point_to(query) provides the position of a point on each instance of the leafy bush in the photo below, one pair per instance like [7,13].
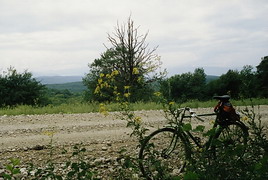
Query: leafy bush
[20,89]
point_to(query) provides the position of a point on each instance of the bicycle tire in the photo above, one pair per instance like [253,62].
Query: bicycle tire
[161,156]
[231,139]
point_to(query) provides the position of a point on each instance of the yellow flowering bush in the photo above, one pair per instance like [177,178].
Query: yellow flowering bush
[106,81]
[135,71]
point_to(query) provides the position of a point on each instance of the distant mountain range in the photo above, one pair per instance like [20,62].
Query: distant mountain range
[74,83]
[70,79]
[211,78]
[58,79]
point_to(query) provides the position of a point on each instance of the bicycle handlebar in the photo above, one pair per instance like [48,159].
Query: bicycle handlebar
[193,114]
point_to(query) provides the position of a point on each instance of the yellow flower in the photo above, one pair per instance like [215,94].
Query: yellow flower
[105,84]
[114,73]
[244,118]
[157,94]
[49,133]
[135,71]
[126,87]
[137,120]
[211,122]
[99,81]
[97,90]
[127,95]
[171,103]
[108,76]
[139,79]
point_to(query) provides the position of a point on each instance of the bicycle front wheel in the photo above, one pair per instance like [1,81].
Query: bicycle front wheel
[231,140]
[162,154]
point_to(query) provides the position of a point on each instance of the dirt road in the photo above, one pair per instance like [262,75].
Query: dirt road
[28,131]
[28,136]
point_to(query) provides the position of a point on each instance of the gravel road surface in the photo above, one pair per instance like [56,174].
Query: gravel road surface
[27,137]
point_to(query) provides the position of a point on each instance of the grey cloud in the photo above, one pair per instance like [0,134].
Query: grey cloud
[189,33]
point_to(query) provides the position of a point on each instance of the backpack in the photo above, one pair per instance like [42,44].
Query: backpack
[227,111]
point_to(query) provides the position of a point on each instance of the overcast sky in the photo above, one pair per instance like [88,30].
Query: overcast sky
[60,37]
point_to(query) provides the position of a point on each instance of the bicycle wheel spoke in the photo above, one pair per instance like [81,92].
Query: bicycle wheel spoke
[232,140]
[162,155]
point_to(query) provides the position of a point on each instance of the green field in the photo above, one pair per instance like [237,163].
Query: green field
[94,107]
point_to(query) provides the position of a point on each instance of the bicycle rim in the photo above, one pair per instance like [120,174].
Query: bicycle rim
[162,155]
[231,140]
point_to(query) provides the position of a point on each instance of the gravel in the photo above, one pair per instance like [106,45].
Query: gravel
[29,137]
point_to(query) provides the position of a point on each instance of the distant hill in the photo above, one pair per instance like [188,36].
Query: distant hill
[211,78]
[74,87]
[58,79]
[75,84]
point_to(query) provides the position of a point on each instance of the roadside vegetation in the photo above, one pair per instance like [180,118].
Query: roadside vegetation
[72,108]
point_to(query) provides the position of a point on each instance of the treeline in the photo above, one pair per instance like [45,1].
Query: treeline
[246,83]
[22,89]
[250,82]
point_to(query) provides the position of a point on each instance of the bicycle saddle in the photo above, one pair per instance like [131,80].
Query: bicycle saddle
[222,98]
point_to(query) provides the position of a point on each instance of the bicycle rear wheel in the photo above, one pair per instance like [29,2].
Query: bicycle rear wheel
[162,154]
[231,140]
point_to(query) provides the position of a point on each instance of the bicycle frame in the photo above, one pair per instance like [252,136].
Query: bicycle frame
[179,135]
[187,135]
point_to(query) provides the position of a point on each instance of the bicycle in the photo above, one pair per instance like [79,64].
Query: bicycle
[169,149]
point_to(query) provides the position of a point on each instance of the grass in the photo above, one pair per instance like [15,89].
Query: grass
[212,103]
[94,107]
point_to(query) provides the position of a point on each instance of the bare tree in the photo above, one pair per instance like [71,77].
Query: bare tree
[128,54]
[133,51]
